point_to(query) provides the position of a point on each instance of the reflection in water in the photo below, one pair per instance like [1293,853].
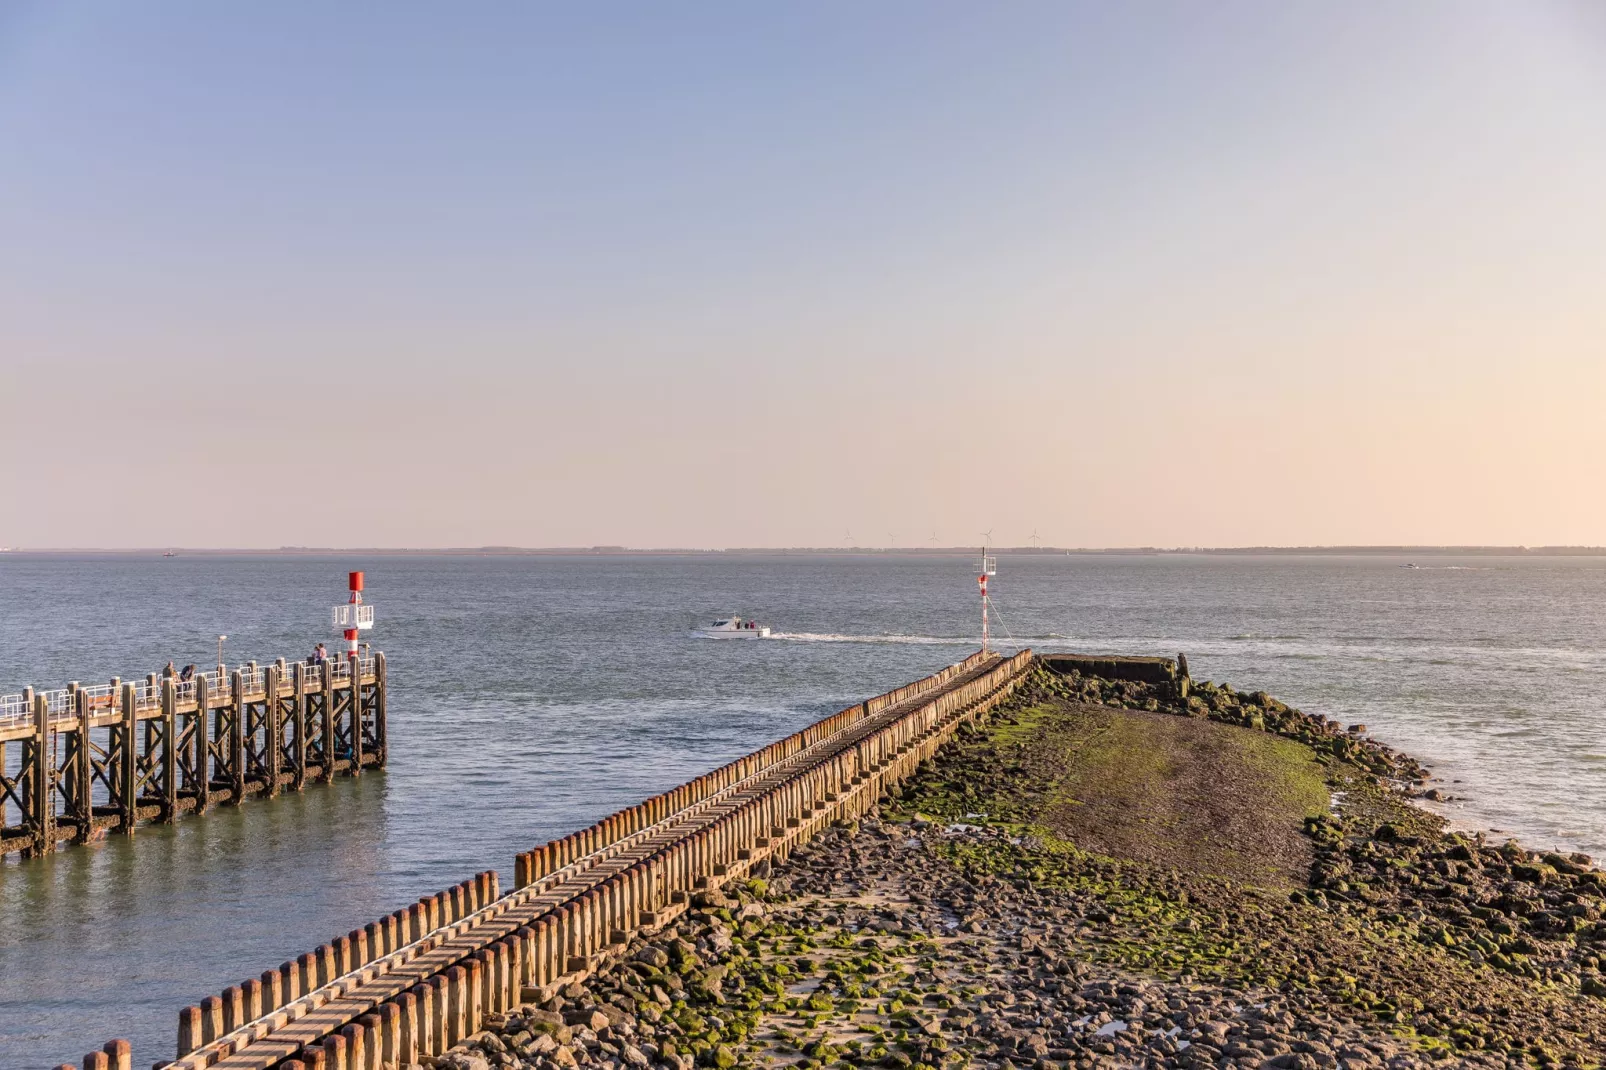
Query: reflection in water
[115,936]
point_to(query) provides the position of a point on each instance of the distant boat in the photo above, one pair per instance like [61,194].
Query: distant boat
[734,628]
[1410,564]
[170,553]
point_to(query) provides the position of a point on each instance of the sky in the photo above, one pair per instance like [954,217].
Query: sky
[731,274]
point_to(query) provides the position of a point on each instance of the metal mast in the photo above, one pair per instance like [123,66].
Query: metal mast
[989,567]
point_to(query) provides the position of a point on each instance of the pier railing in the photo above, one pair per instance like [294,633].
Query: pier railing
[81,761]
[17,709]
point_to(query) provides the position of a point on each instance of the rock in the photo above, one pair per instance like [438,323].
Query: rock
[656,957]
[589,1018]
[462,1060]
[548,1023]
[719,1056]
[633,1056]
[1540,873]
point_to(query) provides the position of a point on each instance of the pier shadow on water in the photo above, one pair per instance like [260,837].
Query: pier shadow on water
[117,932]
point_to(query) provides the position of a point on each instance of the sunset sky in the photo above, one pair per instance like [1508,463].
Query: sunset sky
[735,274]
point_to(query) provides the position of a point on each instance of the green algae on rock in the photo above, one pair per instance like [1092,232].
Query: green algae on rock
[1103,875]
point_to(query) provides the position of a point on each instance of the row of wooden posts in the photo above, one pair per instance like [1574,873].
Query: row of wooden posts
[566,942]
[89,761]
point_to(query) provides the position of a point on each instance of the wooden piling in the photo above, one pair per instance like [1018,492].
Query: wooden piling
[326,674]
[128,767]
[354,709]
[381,690]
[40,797]
[298,753]
[119,1055]
[190,1035]
[169,751]
[275,735]
[236,738]
[201,753]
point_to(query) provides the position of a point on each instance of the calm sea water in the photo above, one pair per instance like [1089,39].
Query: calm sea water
[532,695]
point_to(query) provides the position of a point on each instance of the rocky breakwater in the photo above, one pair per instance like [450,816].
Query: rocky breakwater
[1110,874]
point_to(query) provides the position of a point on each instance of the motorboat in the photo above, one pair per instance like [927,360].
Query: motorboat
[734,628]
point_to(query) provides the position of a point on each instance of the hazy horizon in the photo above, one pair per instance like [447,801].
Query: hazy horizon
[817,275]
[955,550]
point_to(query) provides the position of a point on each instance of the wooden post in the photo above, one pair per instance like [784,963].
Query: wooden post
[334,1050]
[84,772]
[237,740]
[199,752]
[128,782]
[169,750]
[326,671]
[381,730]
[211,1019]
[41,798]
[298,755]
[270,693]
[355,710]
[189,1030]
[406,1052]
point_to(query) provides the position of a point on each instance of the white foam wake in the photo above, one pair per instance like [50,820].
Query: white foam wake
[831,637]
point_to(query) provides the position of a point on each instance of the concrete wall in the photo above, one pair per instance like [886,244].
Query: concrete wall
[1114,667]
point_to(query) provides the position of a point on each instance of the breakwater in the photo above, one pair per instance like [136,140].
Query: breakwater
[420,980]
[82,762]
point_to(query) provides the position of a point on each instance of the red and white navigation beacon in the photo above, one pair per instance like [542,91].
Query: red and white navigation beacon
[989,567]
[354,616]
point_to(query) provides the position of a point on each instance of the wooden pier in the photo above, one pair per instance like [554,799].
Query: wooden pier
[81,762]
[418,981]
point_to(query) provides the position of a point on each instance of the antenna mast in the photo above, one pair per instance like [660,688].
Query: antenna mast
[989,567]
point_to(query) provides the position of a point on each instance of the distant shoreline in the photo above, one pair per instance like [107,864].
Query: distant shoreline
[821,551]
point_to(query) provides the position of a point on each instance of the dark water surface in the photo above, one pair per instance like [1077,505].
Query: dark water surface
[532,695]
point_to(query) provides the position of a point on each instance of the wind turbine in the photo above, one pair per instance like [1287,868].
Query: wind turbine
[933,535]
[894,537]
[849,537]
[1036,539]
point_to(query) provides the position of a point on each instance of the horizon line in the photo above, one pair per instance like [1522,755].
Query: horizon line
[611,550]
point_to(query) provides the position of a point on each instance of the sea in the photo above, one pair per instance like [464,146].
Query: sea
[532,694]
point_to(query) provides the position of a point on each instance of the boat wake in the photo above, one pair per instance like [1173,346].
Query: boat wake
[917,640]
